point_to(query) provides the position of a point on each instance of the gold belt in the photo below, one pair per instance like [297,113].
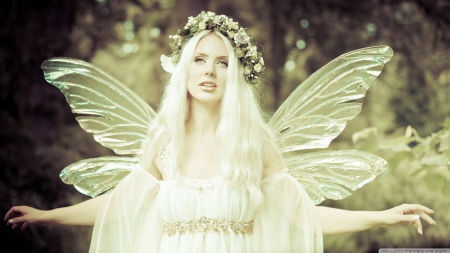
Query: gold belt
[205,224]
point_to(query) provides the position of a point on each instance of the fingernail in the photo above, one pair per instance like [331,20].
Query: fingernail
[10,221]
[415,217]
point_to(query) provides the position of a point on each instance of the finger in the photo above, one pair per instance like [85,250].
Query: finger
[11,213]
[427,218]
[14,226]
[17,220]
[415,208]
[415,221]
[411,218]
[418,226]
[24,226]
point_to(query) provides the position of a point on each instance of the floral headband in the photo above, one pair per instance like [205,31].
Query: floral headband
[245,51]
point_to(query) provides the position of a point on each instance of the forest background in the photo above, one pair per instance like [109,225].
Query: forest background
[403,118]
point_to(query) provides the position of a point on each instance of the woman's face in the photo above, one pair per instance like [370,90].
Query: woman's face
[208,70]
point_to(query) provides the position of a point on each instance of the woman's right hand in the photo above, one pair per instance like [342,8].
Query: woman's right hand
[21,216]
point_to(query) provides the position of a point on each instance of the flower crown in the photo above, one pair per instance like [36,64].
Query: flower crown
[245,51]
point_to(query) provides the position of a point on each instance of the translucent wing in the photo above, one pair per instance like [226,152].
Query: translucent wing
[97,175]
[317,112]
[328,174]
[116,116]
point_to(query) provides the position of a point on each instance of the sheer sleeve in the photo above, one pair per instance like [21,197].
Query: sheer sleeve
[288,221]
[130,213]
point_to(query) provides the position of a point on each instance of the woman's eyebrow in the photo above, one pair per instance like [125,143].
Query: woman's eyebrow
[218,57]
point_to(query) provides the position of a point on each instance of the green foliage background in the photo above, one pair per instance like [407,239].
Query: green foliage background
[39,135]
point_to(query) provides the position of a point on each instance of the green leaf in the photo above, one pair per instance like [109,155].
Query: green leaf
[446,153]
[432,140]
[435,160]
[445,141]
[447,123]
[173,47]
[446,188]
[395,160]
[398,144]
[434,182]
[419,150]
[370,147]
[364,134]
[418,171]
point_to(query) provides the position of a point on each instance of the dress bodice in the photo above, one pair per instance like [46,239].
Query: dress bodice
[179,214]
[181,198]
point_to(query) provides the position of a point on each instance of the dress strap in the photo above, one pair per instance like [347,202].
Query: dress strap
[165,159]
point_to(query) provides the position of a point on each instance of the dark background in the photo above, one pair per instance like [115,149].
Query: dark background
[39,135]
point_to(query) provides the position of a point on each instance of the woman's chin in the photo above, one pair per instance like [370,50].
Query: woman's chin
[206,98]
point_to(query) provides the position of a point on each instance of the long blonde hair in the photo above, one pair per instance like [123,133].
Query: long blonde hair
[241,131]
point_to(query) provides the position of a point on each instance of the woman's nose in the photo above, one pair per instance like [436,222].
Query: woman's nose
[210,69]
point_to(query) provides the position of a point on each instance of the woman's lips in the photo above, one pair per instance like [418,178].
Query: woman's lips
[206,86]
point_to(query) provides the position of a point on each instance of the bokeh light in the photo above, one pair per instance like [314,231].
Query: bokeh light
[155,32]
[301,44]
[304,23]
[289,66]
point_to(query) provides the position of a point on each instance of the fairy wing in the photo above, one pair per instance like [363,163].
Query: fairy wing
[112,112]
[317,112]
[328,174]
[95,176]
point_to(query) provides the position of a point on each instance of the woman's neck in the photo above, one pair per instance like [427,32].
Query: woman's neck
[203,119]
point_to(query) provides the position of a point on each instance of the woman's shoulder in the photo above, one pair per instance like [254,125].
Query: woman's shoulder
[153,162]
[272,159]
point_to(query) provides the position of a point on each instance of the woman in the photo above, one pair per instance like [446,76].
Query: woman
[211,178]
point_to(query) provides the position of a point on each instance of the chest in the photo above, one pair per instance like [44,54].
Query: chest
[199,159]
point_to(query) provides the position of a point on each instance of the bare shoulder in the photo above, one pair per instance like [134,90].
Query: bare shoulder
[152,163]
[272,160]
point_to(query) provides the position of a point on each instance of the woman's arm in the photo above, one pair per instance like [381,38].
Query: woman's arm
[83,213]
[336,221]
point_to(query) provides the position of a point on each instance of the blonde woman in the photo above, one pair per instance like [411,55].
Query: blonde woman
[211,178]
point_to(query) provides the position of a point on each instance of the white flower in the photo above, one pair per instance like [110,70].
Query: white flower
[230,34]
[257,67]
[193,22]
[202,26]
[247,70]
[218,20]
[261,61]
[241,38]
[167,64]
[211,14]
[232,26]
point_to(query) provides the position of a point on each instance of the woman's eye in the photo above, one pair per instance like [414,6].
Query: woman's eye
[224,63]
[199,59]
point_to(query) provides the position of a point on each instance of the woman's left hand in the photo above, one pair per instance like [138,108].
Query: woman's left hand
[406,213]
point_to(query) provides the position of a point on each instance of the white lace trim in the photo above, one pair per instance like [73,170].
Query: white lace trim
[167,167]
[199,184]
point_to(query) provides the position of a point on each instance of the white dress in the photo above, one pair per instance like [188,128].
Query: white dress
[179,214]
